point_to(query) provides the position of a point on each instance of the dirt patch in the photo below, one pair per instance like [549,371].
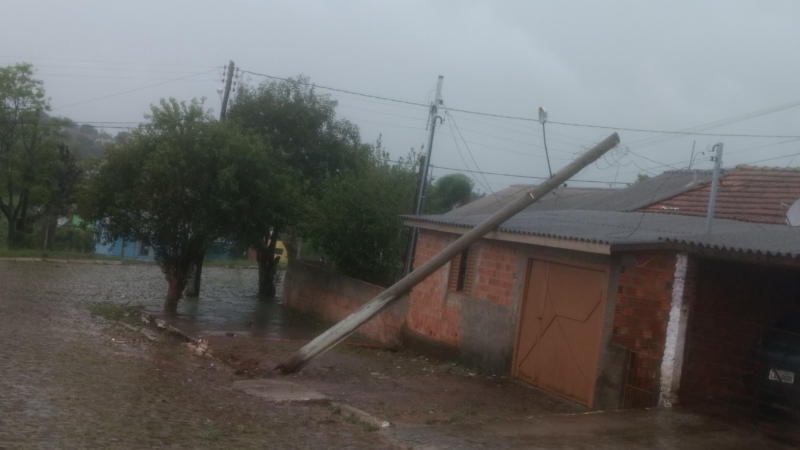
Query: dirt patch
[398,386]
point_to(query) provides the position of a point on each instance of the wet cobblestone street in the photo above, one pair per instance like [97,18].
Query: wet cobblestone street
[71,380]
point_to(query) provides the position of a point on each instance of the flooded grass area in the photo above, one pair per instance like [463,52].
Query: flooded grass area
[115,311]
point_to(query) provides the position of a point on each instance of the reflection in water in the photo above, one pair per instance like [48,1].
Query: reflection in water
[228,301]
[244,315]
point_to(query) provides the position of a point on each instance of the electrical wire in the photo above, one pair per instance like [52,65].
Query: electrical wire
[513,175]
[111,77]
[488,188]
[341,90]
[132,90]
[104,62]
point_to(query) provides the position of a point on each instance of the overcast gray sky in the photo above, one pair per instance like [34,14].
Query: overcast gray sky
[647,65]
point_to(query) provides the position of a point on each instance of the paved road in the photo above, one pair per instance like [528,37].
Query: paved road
[672,429]
[69,380]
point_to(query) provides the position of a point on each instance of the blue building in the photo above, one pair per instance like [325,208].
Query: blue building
[142,251]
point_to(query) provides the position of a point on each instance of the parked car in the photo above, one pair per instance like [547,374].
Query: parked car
[778,369]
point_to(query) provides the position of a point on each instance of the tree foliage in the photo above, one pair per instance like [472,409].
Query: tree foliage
[63,196]
[178,182]
[27,149]
[312,147]
[448,192]
[357,223]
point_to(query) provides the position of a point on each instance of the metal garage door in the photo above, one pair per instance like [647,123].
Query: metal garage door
[558,337]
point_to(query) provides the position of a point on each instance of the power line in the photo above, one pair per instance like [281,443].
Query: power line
[529,119]
[111,76]
[115,69]
[105,62]
[507,150]
[488,188]
[341,90]
[133,90]
[522,176]
[683,133]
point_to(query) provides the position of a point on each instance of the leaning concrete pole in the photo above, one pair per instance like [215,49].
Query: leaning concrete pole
[351,323]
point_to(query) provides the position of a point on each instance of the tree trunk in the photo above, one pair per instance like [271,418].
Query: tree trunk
[174,291]
[12,231]
[23,210]
[50,226]
[193,289]
[267,266]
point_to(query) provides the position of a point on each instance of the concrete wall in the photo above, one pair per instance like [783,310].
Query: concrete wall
[331,297]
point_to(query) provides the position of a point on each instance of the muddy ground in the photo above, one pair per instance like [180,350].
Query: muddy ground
[401,387]
[71,380]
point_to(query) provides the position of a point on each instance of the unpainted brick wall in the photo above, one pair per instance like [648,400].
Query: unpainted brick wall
[429,313]
[331,297]
[437,314]
[644,299]
[498,265]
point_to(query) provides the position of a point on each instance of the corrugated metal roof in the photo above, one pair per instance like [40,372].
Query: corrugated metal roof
[782,242]
[627,228]
[631,198]
[753,194]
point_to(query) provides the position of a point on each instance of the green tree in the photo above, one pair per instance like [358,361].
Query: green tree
[62,199]
[310,143]
[178,182]
[448,192]
[27,150]
[357,223]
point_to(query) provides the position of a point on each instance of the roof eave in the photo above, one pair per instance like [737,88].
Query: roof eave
[517,238]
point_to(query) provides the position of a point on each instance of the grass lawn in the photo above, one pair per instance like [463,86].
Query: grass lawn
[30,253]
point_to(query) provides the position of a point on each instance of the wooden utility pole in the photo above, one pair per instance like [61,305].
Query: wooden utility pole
[193,290]
[412,238]
[351,323]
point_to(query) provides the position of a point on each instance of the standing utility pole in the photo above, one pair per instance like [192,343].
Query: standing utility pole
[193,290]
[351,323]
[227,93]
[412,239]
[712,198]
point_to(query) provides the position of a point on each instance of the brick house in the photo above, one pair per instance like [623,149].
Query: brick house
[613,298]
[618,298]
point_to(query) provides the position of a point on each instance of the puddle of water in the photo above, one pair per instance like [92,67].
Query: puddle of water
[228,301]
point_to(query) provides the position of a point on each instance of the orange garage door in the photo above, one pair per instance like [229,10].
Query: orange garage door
[558,338]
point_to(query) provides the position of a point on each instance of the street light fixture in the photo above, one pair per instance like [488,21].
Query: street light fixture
[543,120]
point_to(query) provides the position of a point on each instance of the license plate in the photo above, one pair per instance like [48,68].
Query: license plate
[782,375]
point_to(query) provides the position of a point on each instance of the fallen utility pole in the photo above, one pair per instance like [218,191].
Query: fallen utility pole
[351,323]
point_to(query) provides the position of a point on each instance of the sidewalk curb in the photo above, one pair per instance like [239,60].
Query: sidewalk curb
[149,318]
[362,416]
